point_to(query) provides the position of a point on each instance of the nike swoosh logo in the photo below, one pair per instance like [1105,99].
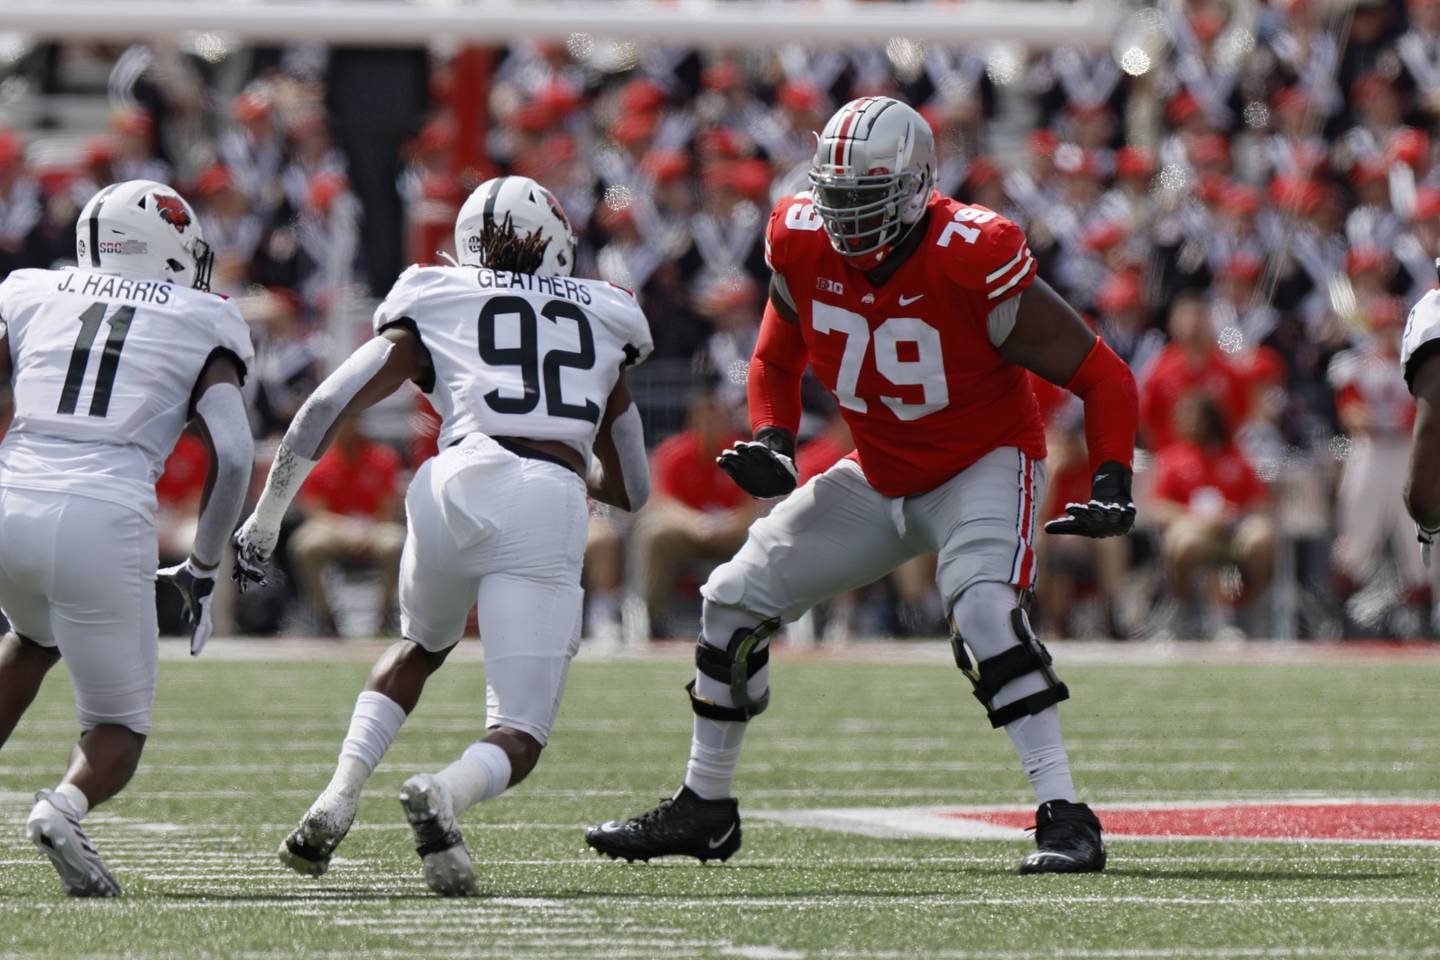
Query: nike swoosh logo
[715,844]
[906,301]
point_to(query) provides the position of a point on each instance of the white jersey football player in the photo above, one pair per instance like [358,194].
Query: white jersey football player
[1418,350]
[525,366]
[107,363]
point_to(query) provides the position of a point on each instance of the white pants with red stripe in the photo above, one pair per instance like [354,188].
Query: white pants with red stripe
[837,533]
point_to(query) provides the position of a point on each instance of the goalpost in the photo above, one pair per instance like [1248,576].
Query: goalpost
[1034,23]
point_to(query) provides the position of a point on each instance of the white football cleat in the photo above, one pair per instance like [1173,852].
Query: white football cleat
[311,844]
[55,830]
[431,814]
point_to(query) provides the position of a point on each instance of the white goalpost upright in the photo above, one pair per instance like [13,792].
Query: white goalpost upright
[1034,23]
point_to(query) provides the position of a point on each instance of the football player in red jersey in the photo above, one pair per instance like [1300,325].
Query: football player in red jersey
[922,315]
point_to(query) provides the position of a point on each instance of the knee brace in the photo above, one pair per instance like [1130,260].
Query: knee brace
[989,676]
[743,657]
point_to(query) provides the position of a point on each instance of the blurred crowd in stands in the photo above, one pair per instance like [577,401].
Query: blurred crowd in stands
[1244,201]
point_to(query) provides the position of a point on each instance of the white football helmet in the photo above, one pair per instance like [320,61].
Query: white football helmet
[142,228]
[531,207]
[872,175]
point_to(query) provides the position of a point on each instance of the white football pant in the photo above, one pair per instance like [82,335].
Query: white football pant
[79,574]
[506,535]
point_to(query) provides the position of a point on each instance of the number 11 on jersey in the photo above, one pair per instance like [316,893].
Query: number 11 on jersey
[90,322]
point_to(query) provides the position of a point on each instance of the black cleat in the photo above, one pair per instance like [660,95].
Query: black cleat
[684,825]
[1067,838]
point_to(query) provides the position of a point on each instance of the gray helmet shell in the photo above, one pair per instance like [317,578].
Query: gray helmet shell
[872,174]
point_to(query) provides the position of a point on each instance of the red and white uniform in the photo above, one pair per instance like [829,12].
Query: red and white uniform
[949,443]
[925,392]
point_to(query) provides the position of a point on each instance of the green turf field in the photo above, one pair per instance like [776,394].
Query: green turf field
[240,748]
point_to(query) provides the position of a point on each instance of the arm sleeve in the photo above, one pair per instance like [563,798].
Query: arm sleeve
[302,446]
[776,367]
[629,439]
[222,410]
[319,413]
[1112,415]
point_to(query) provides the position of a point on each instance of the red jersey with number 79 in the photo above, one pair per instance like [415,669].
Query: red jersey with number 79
[925,392]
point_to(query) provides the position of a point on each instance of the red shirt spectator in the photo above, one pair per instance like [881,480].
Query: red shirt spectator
[1195,478]
[360,480]
[183,481]
[1171,376]
[684,472]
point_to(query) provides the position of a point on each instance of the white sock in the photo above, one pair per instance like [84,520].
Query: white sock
[714,757]
[715,744]
[373,726]
[982,615]
[1042,754]
[482,772]
[76,798]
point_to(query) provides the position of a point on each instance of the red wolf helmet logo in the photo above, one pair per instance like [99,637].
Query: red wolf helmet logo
[558,211]
[172,211]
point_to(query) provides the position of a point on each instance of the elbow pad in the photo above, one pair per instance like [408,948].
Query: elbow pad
[222,410]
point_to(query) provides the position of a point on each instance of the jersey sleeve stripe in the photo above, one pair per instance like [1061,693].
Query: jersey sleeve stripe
[1009,266]
[1024,271]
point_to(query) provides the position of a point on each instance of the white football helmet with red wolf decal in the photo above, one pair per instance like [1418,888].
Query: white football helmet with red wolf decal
[142,228]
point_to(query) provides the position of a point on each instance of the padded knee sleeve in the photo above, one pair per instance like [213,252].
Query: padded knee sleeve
[745,654]
[988,621]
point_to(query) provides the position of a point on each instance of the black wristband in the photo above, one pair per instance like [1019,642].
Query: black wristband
[1111,482]
[779,439]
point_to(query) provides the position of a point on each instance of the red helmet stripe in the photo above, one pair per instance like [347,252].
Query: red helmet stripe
[840,151]
[843,143]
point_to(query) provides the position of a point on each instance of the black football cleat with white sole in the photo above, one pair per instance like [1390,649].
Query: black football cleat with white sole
[685,825]
[1067,840]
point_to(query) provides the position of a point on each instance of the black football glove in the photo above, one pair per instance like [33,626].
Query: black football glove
[763,467]
[1110,512]
[196,590]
